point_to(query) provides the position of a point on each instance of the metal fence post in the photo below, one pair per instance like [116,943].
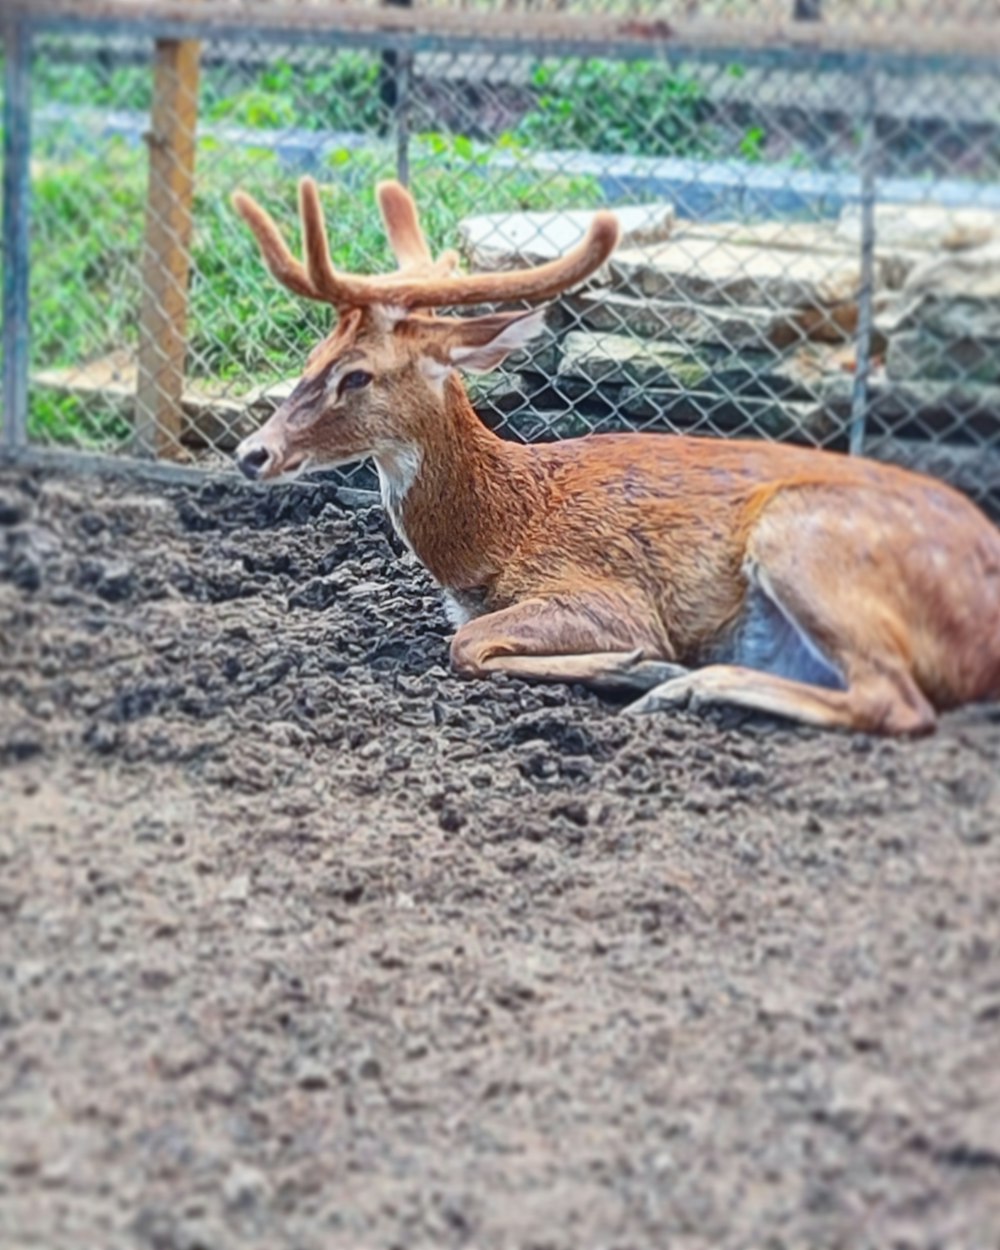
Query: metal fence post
[394,91]
[16,208]
[403,67]
[866,296]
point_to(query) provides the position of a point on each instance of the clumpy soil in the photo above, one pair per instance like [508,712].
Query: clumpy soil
[306,943]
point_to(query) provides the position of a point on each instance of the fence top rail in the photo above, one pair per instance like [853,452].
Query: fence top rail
[893,37]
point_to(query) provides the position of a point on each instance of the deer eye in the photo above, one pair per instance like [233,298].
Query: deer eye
[354,381]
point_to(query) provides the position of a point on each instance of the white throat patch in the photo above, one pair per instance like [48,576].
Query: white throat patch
[397,471]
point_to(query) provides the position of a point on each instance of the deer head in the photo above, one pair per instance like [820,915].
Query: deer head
[369,388]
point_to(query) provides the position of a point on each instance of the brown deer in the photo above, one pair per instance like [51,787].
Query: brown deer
[829,589]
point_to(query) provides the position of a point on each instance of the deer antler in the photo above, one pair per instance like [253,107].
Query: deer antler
[406,238]
[421,282]
[402,225]
[273,248]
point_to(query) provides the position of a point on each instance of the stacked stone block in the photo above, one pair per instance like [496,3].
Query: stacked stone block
[736,328]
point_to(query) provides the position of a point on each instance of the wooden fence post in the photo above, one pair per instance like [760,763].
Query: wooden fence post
[166,260]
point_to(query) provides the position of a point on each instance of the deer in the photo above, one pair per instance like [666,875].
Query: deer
[672,569]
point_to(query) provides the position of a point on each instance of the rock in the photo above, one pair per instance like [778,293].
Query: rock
[972,1139]
[451,818]
[719,272]
[924,354]
[29,973]
[922,227]
[948,318]
[615,409]
[58,1171]
[540,425]
[115,581]
[973,275]
[148,828]
[954,297]
[748,416]
[737,326]
[975,470]
[244,1187]
[312,1075]
[856,1093]
[933,407]
[102,737]
[504,392]
[12,510]
[26,572]
[815,238]
[210,415]
[947,322]
[264,400]
[260,922]
[510,240]
[613,358]
[788,236]
[19,744]
[156,979]
[237,890]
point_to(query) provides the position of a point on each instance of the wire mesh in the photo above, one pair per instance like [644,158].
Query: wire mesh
[731,307]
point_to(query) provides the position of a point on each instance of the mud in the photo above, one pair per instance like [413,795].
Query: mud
[305,942]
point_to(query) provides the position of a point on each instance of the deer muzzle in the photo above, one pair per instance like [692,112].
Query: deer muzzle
[255,460]
[265,455]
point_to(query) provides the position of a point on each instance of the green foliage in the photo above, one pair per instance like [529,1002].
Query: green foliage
[87,249]
[86,235]
[87,255]
[65,419]
[90,203]
[342,95]
[643,108]
[262,110]
[633,109]
[752,143]
[90,84]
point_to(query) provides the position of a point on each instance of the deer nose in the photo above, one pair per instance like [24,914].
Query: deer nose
[253,461]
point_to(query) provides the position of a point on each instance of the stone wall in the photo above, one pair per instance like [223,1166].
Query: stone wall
[726,327]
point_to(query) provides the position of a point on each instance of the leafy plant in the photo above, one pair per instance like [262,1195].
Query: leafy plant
[752,144]
[88,228]
[65,419]
[646,108]
[92,83]
[89,211]
[342,94]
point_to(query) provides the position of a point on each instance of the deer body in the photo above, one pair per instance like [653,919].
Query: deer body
[830,589]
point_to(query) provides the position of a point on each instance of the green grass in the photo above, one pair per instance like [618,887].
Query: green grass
[88,226]
[67,419]
[89,205]
[339,95]
[629,109]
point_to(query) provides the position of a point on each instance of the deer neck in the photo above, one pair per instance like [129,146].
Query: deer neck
[458,495]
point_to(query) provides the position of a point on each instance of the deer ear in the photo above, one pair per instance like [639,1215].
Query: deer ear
[484,342]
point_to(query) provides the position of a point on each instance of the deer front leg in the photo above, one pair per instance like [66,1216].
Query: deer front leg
[600,640]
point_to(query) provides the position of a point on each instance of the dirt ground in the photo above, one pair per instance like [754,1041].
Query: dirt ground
[305,942]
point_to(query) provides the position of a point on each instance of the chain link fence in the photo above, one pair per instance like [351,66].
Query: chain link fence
[810,250]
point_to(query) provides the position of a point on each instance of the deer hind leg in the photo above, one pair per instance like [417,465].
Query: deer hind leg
[597,639]
[823,641]
[873,703]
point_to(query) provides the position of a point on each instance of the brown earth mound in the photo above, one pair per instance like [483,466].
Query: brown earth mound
[306,943]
